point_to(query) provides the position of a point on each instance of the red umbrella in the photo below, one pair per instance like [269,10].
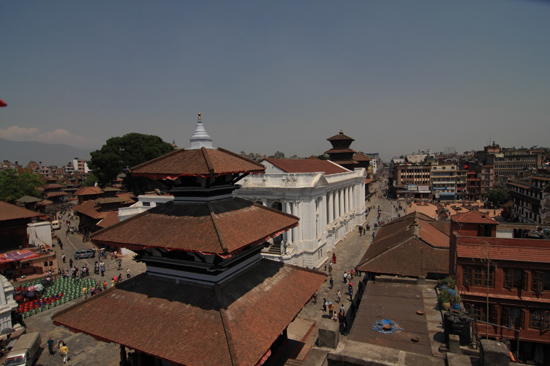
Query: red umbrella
[3,104]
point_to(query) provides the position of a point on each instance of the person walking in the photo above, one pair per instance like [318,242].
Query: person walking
[64,350]
[339,294]
[331,283]
[63,258]
[128,275]
[351,294]
[330,310]
[49,342]
[84,292]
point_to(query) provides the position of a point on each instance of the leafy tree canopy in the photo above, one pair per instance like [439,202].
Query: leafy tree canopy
[119,154]
[15,185]
[90,181]
[496,196]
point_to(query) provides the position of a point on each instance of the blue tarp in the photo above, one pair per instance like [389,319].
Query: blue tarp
[379,326]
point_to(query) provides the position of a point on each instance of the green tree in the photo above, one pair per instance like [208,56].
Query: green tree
[15,185]
[496,196]
[119,154]
[90,181]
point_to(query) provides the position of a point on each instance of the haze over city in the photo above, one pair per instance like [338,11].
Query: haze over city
[268,76]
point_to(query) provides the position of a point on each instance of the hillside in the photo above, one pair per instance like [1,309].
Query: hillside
[48,154]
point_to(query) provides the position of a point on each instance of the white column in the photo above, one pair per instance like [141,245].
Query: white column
[342,207]
[330,207]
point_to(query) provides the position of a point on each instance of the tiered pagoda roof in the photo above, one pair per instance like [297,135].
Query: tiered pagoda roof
[207,297]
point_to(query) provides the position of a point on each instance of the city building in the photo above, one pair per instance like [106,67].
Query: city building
[328,198]
[444,179]
[207,297]
[80,165]
[530,199]
[503,278]
[414,245]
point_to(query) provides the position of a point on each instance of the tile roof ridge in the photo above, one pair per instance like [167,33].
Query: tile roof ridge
[218,231]
[241,157]
[156,159]
[207,160]
[225,324]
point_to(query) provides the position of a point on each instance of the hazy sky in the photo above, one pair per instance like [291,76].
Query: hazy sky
[398,76]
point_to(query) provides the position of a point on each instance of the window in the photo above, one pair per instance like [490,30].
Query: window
[482,278]
[540,319]
[541,281]
[508,278]
[478,311]
[467,277]
[513,317]
[512,278]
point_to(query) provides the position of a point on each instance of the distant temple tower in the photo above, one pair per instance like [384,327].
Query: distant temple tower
[341,152]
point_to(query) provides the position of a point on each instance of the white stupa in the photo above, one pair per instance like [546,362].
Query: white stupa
[200,138]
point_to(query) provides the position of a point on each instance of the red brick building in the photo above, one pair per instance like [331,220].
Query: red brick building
[505,281]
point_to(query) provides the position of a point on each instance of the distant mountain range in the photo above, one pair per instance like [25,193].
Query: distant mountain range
[49,154]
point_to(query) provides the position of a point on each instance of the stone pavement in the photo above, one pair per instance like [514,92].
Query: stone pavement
[349,252]
[83,349]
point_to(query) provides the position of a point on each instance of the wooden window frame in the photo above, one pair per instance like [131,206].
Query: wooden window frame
[509,278]
[537,285]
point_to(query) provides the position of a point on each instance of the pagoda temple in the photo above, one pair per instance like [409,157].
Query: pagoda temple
[207,297]
[341,153]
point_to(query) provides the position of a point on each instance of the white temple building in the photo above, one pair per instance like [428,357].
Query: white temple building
[7,303]
[328,198]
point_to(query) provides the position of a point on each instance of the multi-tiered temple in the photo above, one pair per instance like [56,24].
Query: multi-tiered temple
[207,298]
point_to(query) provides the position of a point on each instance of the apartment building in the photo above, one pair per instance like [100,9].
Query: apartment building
[504,282]
[531,199]
[444,182]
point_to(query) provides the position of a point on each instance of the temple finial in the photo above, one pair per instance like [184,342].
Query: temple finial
[200,138]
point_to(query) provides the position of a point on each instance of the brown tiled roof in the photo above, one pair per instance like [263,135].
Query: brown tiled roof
[505,253]
[443,226]
[52,186]
[340,136]
[88,208]
[88,191]
[337,150]
[44,203]
[472,217]
[129,197]
[56,194]
[107,200]
[361,157]
[185,323]
[13,212]
[307,166]
[203,162]
[221,227]
[28,199]
[110,218]
[397,250]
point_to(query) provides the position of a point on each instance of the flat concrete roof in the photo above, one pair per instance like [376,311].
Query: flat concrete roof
[398,302]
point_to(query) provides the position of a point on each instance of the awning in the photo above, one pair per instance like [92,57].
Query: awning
[18,256]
